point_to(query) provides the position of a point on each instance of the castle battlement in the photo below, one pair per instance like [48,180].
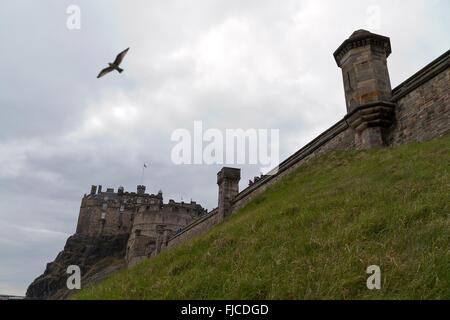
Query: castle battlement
[96,192]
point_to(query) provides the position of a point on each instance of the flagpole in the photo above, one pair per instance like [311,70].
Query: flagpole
[142,176]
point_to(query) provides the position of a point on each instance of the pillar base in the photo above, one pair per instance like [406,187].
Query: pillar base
[370,122]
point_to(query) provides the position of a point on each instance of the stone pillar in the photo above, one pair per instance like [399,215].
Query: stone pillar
[368,93]
[228,181]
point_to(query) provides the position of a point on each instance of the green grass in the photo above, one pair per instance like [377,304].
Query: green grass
[313,234]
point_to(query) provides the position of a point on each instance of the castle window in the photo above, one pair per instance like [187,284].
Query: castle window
[349,82]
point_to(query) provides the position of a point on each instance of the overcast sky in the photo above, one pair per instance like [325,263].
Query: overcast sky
[232,64]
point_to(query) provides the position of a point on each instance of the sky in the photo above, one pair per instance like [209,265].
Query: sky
[251,64]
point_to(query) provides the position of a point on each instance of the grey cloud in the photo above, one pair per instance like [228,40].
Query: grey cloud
[231,64]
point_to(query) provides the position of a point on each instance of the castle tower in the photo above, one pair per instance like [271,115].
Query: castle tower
[141,190]
[228,181]
[368,93]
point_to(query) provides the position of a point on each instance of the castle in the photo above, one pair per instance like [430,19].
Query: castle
[377,116]
[144,218]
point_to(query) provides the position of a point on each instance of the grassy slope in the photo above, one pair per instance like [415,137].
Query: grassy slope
[313,234]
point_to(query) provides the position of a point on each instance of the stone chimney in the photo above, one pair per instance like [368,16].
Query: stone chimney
[228,181]
[368,93]
[93,190]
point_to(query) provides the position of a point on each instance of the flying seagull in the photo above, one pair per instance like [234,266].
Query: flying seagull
[115,65]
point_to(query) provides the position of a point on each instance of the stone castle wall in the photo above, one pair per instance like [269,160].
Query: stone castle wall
[197,227]
[423,104]
[99,217]
[338,137]
[152,227]
[143,218]
[422,112]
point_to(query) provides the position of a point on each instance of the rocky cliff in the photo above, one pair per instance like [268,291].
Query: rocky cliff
[96,256]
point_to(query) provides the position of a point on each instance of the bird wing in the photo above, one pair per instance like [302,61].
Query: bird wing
[120,57]
[105,71]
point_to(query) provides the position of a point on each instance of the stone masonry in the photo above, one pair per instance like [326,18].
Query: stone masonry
[377,116]
[143,217]
[368,94]
[228,182]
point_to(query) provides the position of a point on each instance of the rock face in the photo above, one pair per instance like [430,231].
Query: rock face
[97,257]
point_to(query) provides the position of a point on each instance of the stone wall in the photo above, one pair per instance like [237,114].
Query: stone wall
[152,227]
[338,137]
[422,112]
[423,104]
[112,213]
[96,219]
[196,228]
